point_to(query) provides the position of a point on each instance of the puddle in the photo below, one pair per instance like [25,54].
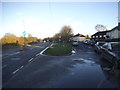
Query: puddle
[82,60]
[84,76]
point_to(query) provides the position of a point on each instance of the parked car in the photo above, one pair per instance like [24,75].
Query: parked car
[111,52]
[75,43]
[98,46]
[86,41]
[92,42]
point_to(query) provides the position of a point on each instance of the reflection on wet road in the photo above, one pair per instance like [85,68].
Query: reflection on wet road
[84,74]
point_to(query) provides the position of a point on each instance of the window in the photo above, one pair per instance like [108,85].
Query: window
[104,35]
[100,36]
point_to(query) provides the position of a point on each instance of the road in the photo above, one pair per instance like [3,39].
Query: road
[84,69]
[12,62]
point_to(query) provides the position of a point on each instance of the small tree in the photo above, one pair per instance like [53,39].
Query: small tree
[66,33]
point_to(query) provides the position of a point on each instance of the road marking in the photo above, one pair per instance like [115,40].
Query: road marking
[14,53]
[45,49]
[30,60]
[8,55]
[37,54]
[17,70]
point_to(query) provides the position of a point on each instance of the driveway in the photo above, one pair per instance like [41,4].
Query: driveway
[84,69]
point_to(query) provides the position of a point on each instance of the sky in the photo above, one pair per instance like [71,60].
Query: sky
[44,19]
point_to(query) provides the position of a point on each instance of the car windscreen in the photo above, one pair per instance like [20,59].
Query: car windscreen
[116,47]
[100,44]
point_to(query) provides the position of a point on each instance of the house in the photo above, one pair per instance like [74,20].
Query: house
[99,36]
[78,37]
[113,33]
[110,35]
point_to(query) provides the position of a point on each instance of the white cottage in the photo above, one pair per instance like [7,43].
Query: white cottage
[78,37]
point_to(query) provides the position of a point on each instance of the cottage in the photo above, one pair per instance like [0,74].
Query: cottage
[78,37]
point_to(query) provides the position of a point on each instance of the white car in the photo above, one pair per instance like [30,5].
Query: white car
[75,43]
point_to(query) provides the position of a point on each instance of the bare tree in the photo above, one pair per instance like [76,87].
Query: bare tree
[100,27]
[65,33]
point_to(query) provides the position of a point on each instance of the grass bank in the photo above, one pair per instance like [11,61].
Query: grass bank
[59,49]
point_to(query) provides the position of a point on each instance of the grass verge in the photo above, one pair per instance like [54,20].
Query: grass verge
[59,49]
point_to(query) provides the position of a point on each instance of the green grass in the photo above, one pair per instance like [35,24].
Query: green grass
[59,49]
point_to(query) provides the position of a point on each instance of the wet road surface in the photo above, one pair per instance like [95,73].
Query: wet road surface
[84,69]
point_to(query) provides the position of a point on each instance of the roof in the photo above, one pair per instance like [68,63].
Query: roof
[79,35]
[100,33]
[114,28]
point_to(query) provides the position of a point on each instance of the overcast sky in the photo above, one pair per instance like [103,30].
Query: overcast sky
[44,19]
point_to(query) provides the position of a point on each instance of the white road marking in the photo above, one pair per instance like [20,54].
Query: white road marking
[45,49]
[37,54]
[14,53]
[30,60]
[8,55]
[17,70]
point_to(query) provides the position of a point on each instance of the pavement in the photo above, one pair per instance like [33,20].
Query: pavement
[83,69]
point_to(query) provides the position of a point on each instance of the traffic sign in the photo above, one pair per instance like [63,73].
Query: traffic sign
[24,33]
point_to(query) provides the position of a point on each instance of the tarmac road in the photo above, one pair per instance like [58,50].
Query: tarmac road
[14,60]
[84,69]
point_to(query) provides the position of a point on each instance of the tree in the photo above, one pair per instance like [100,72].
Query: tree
[57,37]
[21,40]
[87,37]
[65,33]
[9,38]
[100,27]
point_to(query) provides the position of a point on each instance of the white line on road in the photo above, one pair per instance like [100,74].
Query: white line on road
[17,70]
[15,53]
[30,60]
[45,49]
[37,54]
[4,56]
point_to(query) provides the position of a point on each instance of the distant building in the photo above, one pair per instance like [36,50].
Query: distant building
[78,37]
[99,36]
